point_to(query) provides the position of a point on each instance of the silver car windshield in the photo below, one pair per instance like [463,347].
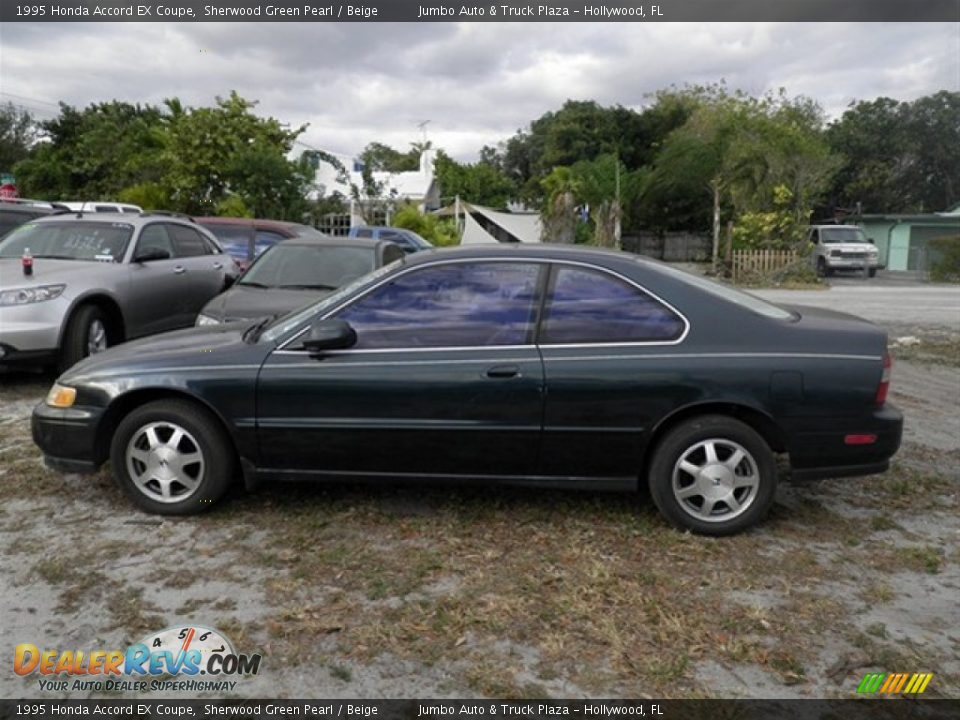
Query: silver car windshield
[318,267]
[282,325]
[842,235]
[89,241]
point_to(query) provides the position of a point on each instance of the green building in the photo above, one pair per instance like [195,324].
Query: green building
[903,239]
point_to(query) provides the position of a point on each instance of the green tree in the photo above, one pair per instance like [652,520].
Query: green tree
[217,151]
[18,131]
[898,156]
[95,153]
[481,183]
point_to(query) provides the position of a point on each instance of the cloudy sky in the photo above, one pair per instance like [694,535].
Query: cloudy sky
[476,83]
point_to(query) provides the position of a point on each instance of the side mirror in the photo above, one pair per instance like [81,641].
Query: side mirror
[151,254]
[871,241]
[329,334]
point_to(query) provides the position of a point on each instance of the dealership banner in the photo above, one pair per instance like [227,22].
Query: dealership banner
[511,11]
[255,709]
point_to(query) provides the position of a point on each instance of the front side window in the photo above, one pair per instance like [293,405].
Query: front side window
[588,306]
[188,242]
[452,305]
[154,237]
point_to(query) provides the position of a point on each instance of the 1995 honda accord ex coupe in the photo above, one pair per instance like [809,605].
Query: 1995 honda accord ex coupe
[531,365]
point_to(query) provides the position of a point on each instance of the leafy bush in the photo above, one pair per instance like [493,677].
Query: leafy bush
[442,232]
[945,252]
[778,229]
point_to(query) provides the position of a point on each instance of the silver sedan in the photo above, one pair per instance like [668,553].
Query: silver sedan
[73,284]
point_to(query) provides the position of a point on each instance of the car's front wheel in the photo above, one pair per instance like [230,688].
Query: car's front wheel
[86,334]
[172,457]
[823,270]
[713,475]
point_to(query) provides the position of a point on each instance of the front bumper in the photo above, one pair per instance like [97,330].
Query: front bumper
[29,333]
[817,451]
[837,263]
[68,437]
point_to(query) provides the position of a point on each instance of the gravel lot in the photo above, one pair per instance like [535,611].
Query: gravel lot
[405,592]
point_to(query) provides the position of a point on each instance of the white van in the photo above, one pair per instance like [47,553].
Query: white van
[102,206]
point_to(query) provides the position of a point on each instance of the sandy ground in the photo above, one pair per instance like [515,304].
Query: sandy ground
[413,593]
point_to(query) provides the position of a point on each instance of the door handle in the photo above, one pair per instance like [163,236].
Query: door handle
[179,270]
[503,371]
[218,266]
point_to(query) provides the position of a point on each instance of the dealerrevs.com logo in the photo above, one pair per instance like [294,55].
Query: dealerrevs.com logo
[189,658]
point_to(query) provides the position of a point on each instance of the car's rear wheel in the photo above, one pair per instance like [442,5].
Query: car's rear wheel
[87,334]
[171,457]
[713,475]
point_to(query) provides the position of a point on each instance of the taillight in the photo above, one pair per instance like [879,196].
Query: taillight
[884,387]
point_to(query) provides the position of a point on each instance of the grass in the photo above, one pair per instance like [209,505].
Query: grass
[938,350]
[513,593]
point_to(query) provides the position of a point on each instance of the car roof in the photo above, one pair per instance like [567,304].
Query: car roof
[528,250]
[335,241]
[281,226]
[135,219]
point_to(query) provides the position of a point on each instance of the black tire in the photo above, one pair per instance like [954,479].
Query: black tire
[198,484]
[750,483]
[822,269]
[76,338]
[872,272]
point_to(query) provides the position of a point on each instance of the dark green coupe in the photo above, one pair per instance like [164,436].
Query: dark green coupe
[533,365]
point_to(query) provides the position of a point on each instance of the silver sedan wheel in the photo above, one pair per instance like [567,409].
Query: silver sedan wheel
[715,480]
[96,337]
[165,462]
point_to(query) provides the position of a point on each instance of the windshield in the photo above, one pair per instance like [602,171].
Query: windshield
[842,235]
[320,267]
[288,322]
[66,240]
[746,300]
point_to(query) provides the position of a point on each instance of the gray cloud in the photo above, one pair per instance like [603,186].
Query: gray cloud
[477,83]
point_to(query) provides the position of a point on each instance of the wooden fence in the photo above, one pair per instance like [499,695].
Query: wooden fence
[752,263]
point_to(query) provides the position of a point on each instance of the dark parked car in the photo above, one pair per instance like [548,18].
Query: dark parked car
[246,238]
[296,272]
[533,365]
[15,212]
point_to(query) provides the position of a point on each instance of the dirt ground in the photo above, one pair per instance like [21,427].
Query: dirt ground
[413,592]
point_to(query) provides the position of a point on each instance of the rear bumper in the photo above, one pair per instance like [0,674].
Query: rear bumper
[819,449]
[68,437]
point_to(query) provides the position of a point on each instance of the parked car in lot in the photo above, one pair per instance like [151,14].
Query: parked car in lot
[246,238]
[14,212]
[410,241]
[533,365]
[294,273]
[842,247]
[99,280]
[103,206]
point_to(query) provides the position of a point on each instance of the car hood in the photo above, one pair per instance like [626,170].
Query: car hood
[49,272]
[208,344]
[245,303]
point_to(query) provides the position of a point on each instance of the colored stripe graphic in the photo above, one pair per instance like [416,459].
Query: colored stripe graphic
[894,683]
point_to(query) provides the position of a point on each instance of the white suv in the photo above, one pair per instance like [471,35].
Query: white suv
[843,247]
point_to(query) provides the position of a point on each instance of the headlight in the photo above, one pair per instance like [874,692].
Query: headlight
[61,396]
[206,320]
[25,296]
